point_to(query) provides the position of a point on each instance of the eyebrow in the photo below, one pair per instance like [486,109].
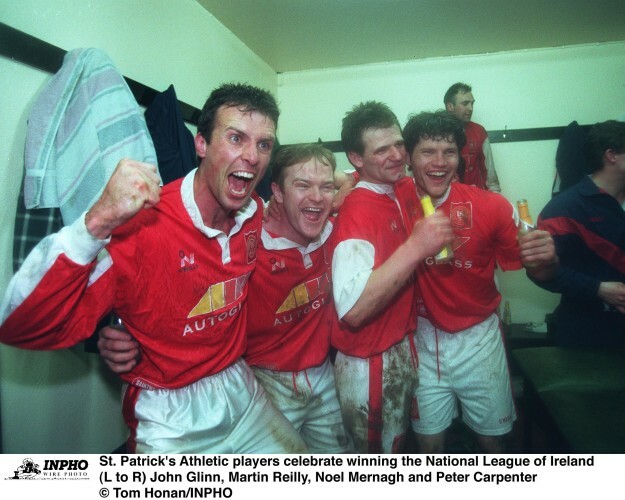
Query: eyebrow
[386,146]
[231,128]
[306,181]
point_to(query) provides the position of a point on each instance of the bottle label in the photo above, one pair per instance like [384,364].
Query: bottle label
[525,227]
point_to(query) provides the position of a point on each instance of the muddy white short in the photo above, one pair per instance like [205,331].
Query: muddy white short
[307,398]
[228,412]
[376,396]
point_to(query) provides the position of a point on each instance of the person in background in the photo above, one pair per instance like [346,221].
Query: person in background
[174,265]
[478,168]
[458,338]
[587,222]
[374,255]
[290,299]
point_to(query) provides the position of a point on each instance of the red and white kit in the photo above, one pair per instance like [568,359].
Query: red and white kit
[375,367]
[180,289]
[458,336]
[462,292]
[288,295]
[478,157]
[290,298]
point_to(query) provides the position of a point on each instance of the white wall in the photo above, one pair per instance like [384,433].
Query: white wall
[521,89]
[65,401]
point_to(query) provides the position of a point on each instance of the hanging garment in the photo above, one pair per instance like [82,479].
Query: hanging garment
[82,123]
[173,142]
[571,163]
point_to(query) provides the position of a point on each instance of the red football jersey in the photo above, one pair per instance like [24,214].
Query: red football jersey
[375,218]
[289,295]
[475,173]
[461,293]
[179,288]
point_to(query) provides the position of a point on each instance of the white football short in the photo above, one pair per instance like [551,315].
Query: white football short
[228,412]
[376,396]
[468,367]
[308,400]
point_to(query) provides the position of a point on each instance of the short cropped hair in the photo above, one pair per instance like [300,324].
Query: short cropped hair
[601,137]
[362,117]
[299,153]
[242,96]
[450,95]
[435,125]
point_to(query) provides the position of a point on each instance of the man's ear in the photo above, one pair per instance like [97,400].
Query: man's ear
[355,159]
[277,192]
[200,145]
[449,106]
[609,156]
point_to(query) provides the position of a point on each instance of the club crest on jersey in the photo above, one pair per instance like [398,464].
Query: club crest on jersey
[277,266]
[461,215]
[251,244]
[394,226]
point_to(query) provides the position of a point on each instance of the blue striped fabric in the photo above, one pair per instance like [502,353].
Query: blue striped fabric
[82,123]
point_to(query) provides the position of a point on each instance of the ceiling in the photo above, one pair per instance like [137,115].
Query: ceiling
[294,35]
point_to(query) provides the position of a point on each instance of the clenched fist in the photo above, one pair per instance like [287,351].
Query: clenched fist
[133,186]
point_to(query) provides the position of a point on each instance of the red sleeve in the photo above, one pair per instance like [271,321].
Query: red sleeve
[61,311]
[506,243]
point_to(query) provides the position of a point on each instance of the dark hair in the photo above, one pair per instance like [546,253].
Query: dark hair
[245,97]
[435,125]
[364,116]
[450,95]
[299,153]
[601,137]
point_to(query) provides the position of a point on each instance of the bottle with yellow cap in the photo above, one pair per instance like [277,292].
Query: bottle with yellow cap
[526,223]
[428,209]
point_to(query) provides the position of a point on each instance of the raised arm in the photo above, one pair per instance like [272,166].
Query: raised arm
[64,286]
[132,187]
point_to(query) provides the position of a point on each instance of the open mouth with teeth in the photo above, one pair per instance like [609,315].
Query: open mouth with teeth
[437,175]
[239,182]
[312,214]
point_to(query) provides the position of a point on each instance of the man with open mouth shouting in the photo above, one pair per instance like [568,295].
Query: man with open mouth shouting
[290,299]
[174,266]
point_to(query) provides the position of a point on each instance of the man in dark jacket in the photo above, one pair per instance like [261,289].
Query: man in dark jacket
[587,222]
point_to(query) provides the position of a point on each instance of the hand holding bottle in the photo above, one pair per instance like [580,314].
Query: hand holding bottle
[526,223]
[538,251]
[429,235]
[446,252]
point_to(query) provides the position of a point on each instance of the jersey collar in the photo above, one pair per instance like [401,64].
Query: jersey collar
[188,200]
[281,243]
